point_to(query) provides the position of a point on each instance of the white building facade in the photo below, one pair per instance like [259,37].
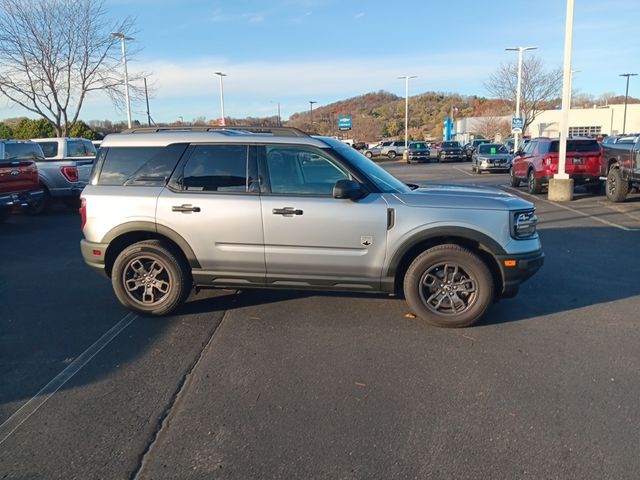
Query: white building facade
[605,120]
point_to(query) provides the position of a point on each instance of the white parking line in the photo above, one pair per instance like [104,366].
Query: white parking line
[39,399]
[597,219]
[463,171]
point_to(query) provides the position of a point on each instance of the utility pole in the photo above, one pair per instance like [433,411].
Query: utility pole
[406,112]
[146,96]
[220,75]
[626,96]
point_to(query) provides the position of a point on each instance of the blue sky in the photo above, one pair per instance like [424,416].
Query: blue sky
[326,50]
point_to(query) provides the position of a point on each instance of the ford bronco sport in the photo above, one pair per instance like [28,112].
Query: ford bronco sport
[166,210]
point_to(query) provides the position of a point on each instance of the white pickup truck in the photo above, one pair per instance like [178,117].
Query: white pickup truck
[65,170]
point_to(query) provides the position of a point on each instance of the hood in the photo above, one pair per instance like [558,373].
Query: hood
[476,197]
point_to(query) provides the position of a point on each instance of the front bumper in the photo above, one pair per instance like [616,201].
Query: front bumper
[452,156]
[94,255]
[419,157]
[503,167]
[524,266]
[21,199]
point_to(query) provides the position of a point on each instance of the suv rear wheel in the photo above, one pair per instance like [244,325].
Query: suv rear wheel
[150,279]
[617,187]
[368,154]
[448,286]
[533,184]
[391,154]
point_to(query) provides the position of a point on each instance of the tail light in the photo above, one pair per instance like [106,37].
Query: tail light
[83,213]
[70,173]
[547,161]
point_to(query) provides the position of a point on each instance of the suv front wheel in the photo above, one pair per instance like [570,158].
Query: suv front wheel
[448,286]
[149,278]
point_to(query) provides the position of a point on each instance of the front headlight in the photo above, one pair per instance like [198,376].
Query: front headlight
[523,224]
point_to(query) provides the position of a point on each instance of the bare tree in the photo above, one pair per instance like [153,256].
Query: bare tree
[539,87]
[492,126]
[54,53]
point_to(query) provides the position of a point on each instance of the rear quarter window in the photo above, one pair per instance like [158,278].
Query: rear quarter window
[141,166]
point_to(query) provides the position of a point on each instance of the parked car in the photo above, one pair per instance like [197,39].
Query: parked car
[19,185]
[65,169]
[450,151]
[538,162]
[620,164]
[307,212]
[376,150]
[470,147]
[491,157]
[418,152]
[394,149]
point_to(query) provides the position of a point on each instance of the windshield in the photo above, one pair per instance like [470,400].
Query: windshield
[451,144]
[386,182]
[578,146]
[491,149]
[417,145]
[480,141]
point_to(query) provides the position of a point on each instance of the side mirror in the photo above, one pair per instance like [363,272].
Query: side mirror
[348,190]
[519,152]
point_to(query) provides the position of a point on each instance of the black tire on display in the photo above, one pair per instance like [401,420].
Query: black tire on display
[515,182]
[533,184]
[448,286]
[617,188]
[391,154]
[149,278]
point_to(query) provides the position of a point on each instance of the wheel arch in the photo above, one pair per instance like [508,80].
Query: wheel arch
[127,234]
[479,243]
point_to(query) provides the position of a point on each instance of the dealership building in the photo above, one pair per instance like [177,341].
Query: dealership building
[599,120]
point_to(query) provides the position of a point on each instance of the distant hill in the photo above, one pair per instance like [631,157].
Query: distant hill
[381,114]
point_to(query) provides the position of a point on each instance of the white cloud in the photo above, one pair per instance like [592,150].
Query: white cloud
[359,15]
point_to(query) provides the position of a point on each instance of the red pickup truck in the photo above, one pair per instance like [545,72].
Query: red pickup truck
[19,183]
[539,159]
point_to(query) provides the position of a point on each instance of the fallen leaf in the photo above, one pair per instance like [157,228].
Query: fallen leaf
[409,316]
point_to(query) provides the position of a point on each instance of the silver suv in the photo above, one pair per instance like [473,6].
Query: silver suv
[167,210]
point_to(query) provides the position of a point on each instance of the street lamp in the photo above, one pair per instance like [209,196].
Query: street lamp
[311,102]
[571,87]
[279,117]
[626,95]
[406,111]
[519,87]
[220,75]
[123,38]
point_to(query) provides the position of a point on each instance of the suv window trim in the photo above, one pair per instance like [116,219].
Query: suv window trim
[177,174]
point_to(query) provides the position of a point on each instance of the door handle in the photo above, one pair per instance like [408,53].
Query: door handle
[185,208]
[286,211]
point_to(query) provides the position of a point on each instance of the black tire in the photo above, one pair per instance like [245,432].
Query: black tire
[515,182]
[462,269]
[533,184]
[43,205]
[391,155]
[369,155]
[617,187]
[140,265]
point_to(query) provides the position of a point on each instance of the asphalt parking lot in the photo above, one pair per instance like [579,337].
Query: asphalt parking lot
[263,384]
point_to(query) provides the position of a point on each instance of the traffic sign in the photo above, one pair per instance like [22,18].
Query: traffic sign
[344,122]
[517,124]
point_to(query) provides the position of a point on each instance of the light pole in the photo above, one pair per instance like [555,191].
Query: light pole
[561,185]
[626,95]
[406,111]
[311,102]
[518,87]
[123,38]
[220,75]
[571,87]
[279,117]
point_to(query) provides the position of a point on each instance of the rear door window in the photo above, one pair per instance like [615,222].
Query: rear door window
[50,149]
[217,168]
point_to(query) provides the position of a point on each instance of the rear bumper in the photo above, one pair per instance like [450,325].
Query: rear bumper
[67,192]
[93,255]
[526,265]
[21,199]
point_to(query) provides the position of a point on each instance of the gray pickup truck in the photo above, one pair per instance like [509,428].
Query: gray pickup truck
[620,164]
[65,170]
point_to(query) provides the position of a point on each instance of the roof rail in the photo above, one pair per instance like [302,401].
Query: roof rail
[280,131]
